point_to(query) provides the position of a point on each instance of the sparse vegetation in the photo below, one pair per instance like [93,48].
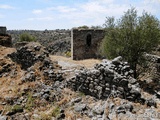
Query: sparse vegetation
[30,102]
[81,94]
[44,116]
[68,54]
[55,111]
[17,108]
[131,36]
[83,27]
[13,109]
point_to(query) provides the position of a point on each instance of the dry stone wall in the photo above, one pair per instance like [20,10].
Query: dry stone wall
[110,78]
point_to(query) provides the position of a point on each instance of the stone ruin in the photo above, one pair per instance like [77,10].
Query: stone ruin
[3,30]
[85,43]
[109,79]
[33,54]
[5,39]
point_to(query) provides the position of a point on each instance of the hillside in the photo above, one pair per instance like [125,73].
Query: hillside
[37,86]
[56,41]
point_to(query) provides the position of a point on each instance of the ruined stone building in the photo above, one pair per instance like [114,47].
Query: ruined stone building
[5,39]
[3,30]
[85,43]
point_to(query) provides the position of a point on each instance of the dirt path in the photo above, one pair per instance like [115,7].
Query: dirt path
[69,66]
[68,63]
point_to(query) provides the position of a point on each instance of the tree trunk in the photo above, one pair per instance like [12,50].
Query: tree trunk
[134,68]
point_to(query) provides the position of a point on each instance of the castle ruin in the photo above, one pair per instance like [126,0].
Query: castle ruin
[85,43]
[5,39]
[3,30]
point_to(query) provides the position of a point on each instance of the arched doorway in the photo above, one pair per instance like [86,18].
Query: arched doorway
[88,40]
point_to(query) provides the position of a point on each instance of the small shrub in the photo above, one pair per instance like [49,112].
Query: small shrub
[81,94]
[13,109]
[27,37]
[83,27]
[68,54]
[56,111]
[30,102]
[17,108]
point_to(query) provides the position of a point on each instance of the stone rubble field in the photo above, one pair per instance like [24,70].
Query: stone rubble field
[35,87]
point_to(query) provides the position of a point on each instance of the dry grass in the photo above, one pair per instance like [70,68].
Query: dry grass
[6,50]
[13,86]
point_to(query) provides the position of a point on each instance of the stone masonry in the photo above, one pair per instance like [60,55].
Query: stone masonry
[5,39]
[85,43]
[3,30]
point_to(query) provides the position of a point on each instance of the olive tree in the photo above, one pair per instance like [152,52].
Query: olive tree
[131,36]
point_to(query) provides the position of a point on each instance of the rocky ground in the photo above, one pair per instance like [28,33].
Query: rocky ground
[37,86]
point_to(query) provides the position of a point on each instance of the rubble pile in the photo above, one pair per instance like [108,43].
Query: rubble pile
[110,78]
[155,60]
[151,77]
[7,67]
[33,53]
[29,54]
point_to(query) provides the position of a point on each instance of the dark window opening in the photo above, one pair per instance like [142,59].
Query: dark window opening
[88,40]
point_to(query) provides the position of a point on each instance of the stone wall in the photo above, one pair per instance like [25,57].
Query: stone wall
[108,79]
[85,43]
[3,30]
[5,39]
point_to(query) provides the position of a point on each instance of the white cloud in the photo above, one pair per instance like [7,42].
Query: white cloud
[65,9]
[92,12]
[37,11]
[62,9]
[6,7]
[41,18]
[93,7]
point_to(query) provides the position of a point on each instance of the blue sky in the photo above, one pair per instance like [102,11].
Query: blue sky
[65,14]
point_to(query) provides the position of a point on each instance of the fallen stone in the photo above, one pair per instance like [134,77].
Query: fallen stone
[80,107]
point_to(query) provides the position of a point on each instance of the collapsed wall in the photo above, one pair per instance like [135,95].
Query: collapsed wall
[151,76]
[34,53]
[110,78]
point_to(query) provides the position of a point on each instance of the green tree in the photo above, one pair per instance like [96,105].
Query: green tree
[27,37]
[131,36]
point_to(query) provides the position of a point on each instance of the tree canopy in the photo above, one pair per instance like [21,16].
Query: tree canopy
[131,36]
